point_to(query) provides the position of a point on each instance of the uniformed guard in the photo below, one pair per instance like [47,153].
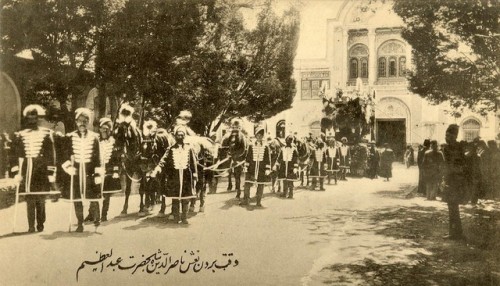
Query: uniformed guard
[257,166]
[179,166]
[83,165]
[287,166]
[318,166]
[34,163]
[344,158]
[332,157]
[111,161]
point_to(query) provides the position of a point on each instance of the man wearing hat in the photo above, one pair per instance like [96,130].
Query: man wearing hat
[454,180]
[257,166]
[332,157]
[34,163]
[237,145]
[179,165]
[83,165]
[319,164]
[287,165]
[111,163]
[344,158]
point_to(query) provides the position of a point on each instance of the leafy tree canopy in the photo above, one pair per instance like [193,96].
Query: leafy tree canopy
[455,50]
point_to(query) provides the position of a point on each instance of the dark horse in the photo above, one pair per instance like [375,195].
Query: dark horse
[233,150]
[128,140]
[275,145]
[304,150]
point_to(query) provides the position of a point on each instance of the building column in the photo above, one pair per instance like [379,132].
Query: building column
[345,57]
[372,58]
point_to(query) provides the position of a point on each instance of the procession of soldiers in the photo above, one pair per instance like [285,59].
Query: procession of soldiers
[84,167]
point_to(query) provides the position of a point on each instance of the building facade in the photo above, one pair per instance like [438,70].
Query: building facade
[365,43]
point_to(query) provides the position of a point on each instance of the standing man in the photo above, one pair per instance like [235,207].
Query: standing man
[332,157]
[287,165]
[432,167]
[179,165]
[386,159]
[319,164]
[420,158]
[344,158]
[34,161]
[373,161]
[454,180]
[111,162]
[257,166]
[83,164]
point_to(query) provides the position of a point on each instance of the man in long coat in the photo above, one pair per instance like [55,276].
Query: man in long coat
[257,166]
[386,160]
[179,166]
[34,162]
[332,157]
[83,164]
[344,158]
[454,190]
[432,167]
[287,164]
[318,165]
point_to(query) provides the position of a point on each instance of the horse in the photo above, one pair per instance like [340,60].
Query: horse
[153,146]
[275,146]
[128,140]
[233,151]
[304,150]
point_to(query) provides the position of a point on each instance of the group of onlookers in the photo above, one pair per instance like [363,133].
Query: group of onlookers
[482,163]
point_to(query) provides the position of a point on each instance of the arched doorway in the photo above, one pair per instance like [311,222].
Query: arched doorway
[280,129]
[393,125]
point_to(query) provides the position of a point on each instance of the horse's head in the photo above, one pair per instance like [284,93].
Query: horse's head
[236,143]
[303,149]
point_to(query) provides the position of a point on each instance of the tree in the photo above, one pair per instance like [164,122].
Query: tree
[455,49]
[233,71]
[62,36]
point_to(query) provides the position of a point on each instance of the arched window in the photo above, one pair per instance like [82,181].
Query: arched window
[471,129]
[392,67]
[402,66]
[354,68]
[364,68]
[358,61]
[382,67]
[392,59]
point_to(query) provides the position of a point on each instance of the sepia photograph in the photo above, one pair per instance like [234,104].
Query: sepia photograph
[250,142]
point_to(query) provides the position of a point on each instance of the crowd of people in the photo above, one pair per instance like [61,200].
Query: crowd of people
[84,166]
[482,163]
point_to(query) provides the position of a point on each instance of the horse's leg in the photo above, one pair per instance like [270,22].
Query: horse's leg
[126,184]
[237,179]
[142,187]
[230,180]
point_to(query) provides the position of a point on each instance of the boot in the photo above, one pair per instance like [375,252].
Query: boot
[184,218]
[202,209]
[244,202]
[290,194]
[321,188]
[238,194]
[79,228]
[258,202]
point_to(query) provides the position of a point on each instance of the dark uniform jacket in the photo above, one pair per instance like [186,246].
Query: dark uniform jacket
[36,149]
[111,161]
[332,158]
[454,190]
[85,150]
[288,163]
[257,162]
[179,165]
[319,160]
